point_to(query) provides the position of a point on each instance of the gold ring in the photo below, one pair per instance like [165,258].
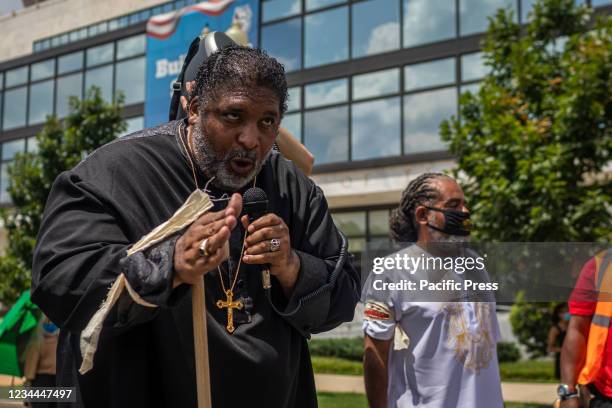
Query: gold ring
[202,248]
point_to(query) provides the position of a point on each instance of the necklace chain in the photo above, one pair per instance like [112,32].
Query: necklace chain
[188,148]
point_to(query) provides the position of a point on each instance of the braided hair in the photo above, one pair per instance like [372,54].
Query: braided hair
[402,222]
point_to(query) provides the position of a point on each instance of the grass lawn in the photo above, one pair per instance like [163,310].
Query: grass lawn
[333,365]
[528,371]
[521,371]
[340,400]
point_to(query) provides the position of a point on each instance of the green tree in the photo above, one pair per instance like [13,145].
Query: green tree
[61,145]
[532,144]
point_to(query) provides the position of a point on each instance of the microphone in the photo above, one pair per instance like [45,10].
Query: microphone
[255,205]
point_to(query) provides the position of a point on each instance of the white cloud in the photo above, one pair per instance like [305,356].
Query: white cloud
[383,38]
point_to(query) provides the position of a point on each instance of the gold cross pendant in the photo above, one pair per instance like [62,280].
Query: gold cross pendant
[230,304]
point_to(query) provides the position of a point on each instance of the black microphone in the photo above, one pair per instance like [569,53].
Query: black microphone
[255,205]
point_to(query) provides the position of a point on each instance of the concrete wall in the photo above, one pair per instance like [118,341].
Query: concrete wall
[375,186]
[21,28]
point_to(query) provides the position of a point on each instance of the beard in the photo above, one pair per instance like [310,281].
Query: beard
[437,236]
[216,165]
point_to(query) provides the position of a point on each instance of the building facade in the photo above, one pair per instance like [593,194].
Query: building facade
[370,81]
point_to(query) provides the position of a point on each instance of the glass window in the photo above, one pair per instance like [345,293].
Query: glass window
[10,149]
[474,14]
[32,144]
[427,21]
[428,74]
[472,88]
[5,197]
[326,134]
[41,102]
[376,27]
[326,93]
[295,99]
[326,37]
[17,76]
[102,27]
[67,86]
[43,69]
[131,46]
[423,113]
[380,119]
[70,62]
[293,123]
[316,4]
[379,222]
[130,76]
[273,9]
[103,79]
[473,66]
[351,223]
[133,125]
[376,84]
[15,108]
[113,24]
[527,6]
[145,14]
[134,18]
[283,41]
[100,54]
[1,80]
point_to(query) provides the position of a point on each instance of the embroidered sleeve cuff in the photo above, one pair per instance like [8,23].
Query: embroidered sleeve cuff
[151,274]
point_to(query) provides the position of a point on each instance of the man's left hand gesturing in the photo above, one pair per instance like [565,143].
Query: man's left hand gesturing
[268,242]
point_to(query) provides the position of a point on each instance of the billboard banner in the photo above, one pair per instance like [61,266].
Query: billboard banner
[168,39]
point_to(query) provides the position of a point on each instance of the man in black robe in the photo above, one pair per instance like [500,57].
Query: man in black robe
[120,192]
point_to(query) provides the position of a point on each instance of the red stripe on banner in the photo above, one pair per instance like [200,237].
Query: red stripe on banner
[200,8]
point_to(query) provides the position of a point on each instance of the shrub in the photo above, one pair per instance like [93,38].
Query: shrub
[349,349]
[507,352]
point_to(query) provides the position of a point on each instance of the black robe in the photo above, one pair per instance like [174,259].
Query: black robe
[145,356]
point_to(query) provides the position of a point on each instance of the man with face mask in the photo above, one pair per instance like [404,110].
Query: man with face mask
[423,348]
[257,329]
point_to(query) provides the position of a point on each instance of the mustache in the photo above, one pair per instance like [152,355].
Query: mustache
[241,154]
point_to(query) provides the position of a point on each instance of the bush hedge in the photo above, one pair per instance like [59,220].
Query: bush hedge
[352,349]
[508,352]
[349,349]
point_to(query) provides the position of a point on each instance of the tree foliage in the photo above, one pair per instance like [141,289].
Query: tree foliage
[61,145]
[533,144]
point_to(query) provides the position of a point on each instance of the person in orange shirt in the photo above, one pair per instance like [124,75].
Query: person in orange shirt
[586,358]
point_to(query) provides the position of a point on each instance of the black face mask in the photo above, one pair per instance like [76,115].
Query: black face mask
[455,222]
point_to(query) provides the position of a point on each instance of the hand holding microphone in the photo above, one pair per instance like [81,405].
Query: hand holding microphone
[268,241]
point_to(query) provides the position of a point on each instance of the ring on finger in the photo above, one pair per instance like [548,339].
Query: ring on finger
[274,244]
[202,248]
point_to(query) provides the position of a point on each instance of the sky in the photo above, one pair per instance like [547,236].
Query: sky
[6,6]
